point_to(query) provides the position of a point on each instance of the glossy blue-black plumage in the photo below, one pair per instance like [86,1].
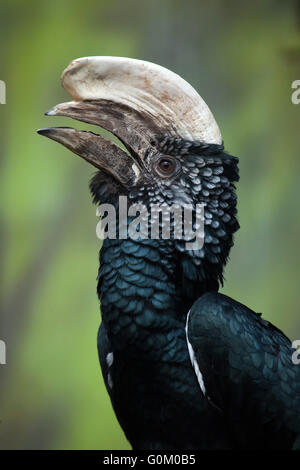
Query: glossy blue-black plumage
[147,288]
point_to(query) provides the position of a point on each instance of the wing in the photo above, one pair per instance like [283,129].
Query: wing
[244,366]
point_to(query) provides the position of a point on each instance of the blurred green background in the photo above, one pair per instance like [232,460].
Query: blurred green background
[242,57]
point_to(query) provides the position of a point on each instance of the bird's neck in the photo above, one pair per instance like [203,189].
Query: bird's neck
[143,304]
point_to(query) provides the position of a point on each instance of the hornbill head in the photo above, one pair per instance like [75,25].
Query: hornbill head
[175,152]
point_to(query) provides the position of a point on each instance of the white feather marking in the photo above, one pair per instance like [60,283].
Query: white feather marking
[193,358]
[109,359]
[109,362]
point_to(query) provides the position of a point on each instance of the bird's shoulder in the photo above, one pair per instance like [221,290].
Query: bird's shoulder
[217,311]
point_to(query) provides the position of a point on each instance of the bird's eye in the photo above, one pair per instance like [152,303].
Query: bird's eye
[165,166]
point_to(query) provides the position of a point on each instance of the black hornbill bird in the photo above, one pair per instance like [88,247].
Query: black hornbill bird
[185,366]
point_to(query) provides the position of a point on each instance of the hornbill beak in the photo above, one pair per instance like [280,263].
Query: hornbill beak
[94,149]
[137,101]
